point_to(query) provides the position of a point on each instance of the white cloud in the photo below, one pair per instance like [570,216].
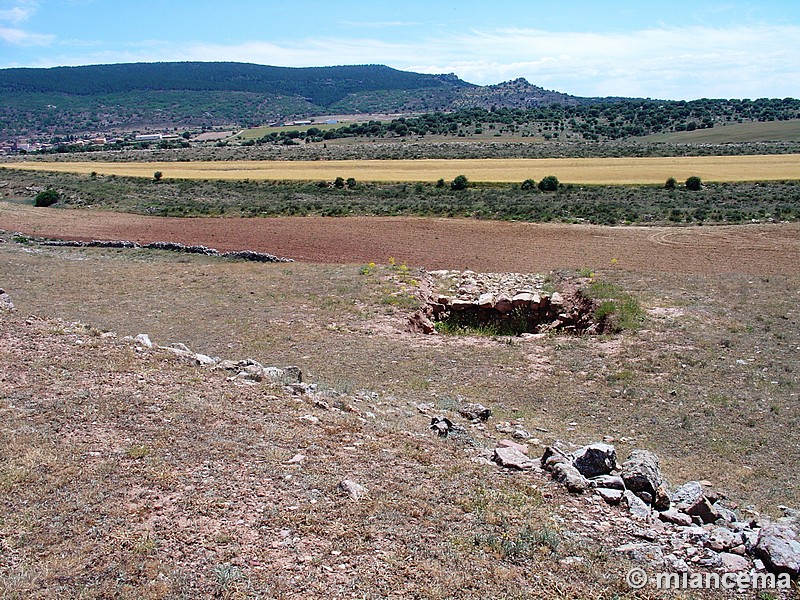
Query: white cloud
[665,63]
[19,37]
[672,63]
[21,11]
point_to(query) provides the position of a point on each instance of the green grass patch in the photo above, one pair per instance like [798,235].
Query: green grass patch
[618,310]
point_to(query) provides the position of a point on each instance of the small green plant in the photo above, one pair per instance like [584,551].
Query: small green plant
[523,545]
[137,452]
[227,576]
[616,309]
[146,545]
[47,197]
[367,269]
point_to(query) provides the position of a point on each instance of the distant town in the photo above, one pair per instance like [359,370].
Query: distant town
[89,142]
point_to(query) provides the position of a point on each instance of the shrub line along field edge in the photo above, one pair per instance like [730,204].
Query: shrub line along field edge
[607,171]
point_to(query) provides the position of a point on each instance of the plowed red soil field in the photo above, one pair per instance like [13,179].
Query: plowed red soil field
[758,249]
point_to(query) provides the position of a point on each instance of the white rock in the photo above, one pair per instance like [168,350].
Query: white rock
[143,340]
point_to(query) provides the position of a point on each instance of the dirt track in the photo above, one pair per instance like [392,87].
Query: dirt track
[444,243]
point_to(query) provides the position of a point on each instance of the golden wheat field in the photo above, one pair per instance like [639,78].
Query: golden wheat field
[568,170]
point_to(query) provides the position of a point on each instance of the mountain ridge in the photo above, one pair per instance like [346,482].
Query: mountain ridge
[60,100]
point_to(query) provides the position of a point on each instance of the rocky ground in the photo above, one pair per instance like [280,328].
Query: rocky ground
[131,469]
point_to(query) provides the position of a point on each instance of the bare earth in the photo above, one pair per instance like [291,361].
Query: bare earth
[757,249]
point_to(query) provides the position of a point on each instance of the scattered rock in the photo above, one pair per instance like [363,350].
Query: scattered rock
[635,505]
[204,360]
[511,458]
[441,425]
[565,473]
[675,517]
[733,563]
[352,489]
[641,472]
[475,412]
[675,564]
[595,459]
[613,482]
[722,539]
[642,552]
[779,547]
[690,499]
[523,448]
[662,499]
[611,496]
[5,301]
[143,340]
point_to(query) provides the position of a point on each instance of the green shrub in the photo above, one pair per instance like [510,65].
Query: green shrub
[528,184]
[459,183]
[46,198]
[549,184]
[694,183]
[671,184]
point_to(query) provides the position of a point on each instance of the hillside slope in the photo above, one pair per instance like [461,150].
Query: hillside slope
[64,100]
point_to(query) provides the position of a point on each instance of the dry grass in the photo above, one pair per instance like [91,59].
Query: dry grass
[568,170]
[130,474]
[768,131]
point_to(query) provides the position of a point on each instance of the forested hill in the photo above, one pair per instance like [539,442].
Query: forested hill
[322,86]
[66,100]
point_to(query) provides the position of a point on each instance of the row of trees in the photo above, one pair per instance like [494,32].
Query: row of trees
[609,120]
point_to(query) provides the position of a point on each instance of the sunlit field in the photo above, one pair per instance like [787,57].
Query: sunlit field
[568,170]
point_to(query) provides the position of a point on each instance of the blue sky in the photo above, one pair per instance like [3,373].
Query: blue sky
[672,50]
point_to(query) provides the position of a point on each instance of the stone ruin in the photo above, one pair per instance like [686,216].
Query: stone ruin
[508,303]
[248,255]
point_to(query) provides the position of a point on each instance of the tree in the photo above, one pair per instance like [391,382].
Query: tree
[528,185]
[338,182]
[671,184]
[549,184]
[440,183]
[157,176]
[693,183]
[351,182]
[459,183]
[46,198]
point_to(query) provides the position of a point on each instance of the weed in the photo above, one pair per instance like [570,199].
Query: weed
[227,576]
[523,545]
[137,452]
[617,310]
[147,545]
[367,269]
